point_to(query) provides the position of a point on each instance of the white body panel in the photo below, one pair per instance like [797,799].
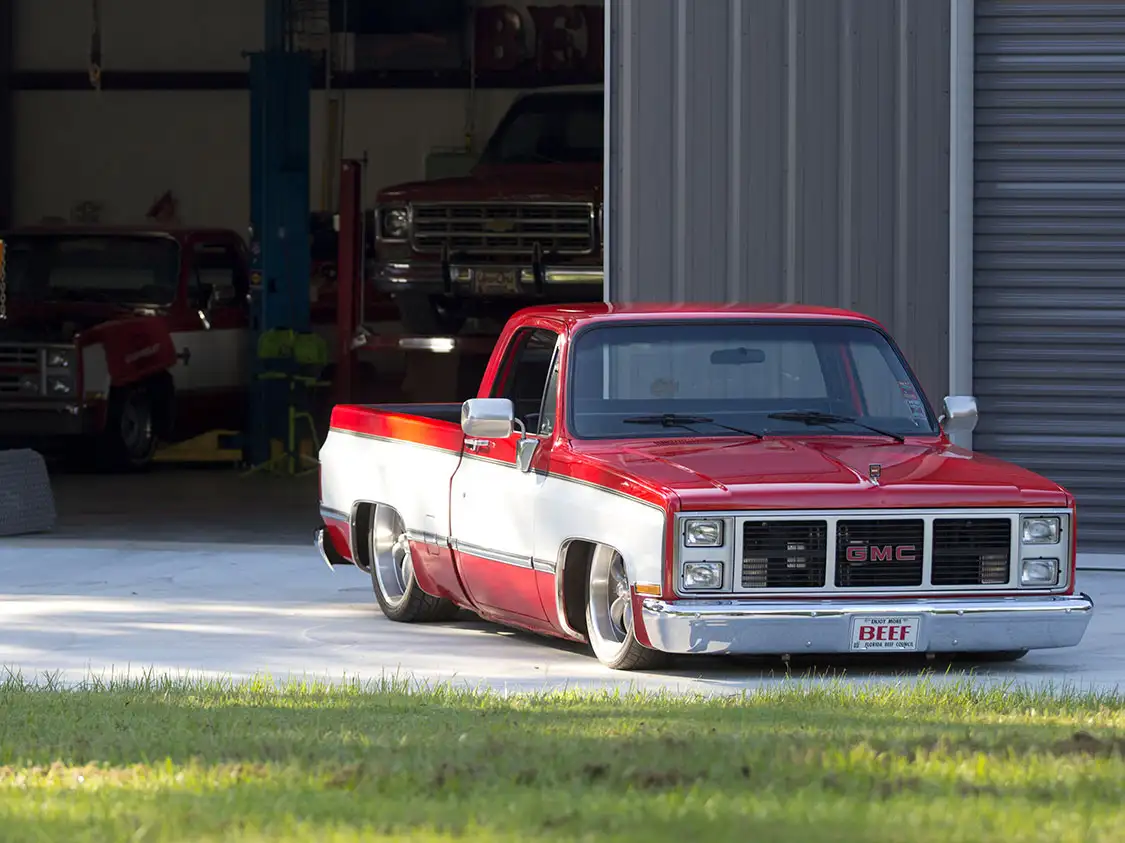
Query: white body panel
[494,507]
[411,478]
[570,509]
[95,370]
[220,359]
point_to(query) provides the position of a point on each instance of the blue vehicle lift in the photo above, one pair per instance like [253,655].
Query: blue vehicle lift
[279,237]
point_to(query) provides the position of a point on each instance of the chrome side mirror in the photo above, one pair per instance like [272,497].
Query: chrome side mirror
[959,413]
[488,418]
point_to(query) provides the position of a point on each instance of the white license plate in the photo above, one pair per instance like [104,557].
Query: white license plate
[890,633]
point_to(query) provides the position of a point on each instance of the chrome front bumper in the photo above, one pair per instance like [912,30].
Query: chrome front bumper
[967,625]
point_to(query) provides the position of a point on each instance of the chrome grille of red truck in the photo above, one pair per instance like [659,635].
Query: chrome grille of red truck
[503,228]
[879,553]
[856,552]
[777,554]
[971,551]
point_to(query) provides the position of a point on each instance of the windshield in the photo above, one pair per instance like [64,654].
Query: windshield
[550,128]
[102,268]
[625,378]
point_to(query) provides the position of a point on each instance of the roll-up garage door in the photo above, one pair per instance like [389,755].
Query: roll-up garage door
[1049,302]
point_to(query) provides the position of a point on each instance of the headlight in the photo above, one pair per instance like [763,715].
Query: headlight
[1040,530]
[59,386]
[58,359]
[29,383]
[703,532]
[395,223]
[1039,572]
[703,576]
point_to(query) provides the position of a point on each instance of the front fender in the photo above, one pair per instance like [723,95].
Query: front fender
[136,348]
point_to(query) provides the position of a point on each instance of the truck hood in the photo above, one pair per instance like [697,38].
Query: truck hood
[825,472]
[55,322]
[508,183]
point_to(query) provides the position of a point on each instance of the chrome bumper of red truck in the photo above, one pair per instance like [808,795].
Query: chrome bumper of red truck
[967,625]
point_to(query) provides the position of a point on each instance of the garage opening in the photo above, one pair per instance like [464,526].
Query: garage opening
[222,219]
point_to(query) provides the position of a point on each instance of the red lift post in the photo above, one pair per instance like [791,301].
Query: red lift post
[437,368]
[349,276]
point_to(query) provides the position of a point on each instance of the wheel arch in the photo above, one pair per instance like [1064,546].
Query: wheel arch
[572,581]
[362,522]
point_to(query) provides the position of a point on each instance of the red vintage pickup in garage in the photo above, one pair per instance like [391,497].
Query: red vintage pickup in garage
[702,479]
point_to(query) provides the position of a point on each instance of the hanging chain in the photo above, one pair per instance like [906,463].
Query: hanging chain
[3,281]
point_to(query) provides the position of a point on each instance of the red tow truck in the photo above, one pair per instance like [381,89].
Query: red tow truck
[524,227]
[116,340]
[120,337]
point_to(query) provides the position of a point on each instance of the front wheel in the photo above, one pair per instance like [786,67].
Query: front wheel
[609,616]
[129,441]
[392,575]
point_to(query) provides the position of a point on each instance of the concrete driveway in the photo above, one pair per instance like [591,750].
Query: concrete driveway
[72,607]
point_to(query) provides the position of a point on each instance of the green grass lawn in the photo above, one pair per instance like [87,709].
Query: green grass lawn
[208,762]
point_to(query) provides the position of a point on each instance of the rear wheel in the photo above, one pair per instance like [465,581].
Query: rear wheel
[609,616]
[392,574]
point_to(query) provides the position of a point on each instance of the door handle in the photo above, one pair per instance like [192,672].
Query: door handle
[477,445]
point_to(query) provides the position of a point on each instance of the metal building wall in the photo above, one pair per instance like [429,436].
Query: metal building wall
[1049,258]
[784,150]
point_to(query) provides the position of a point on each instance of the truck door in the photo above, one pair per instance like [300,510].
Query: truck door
[492,506]
[212,340]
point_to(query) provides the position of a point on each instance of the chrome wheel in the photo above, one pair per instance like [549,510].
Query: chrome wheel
[392,574]
[609,615]
[392,565]
[610,606]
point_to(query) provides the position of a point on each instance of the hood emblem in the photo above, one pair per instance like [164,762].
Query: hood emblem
[874,472]
[500,226]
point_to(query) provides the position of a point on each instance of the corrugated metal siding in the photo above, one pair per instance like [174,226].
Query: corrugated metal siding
[785,150]
[1049,303]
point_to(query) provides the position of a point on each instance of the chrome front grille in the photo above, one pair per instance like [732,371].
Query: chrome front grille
[504,228]
[18,364]
[777,554]
[853,551]
[19,355]
[971,551]
[879,552]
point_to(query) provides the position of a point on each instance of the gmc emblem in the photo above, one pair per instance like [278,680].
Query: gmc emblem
[881,553]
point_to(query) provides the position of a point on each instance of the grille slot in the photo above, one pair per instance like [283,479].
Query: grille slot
[504,228]
[784,554]
[972,551]
[17,355]
[879,552]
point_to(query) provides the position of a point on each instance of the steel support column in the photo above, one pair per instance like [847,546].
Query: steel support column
[7,123]
[279,242]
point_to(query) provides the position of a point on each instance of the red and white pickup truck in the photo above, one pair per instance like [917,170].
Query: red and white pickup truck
[702,479]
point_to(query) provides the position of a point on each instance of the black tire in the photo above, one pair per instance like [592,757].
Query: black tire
[614,644]
[425,315]
[392,577]
[129,440]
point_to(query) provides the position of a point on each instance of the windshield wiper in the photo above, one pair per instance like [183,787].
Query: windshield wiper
[686,422]
[812,417]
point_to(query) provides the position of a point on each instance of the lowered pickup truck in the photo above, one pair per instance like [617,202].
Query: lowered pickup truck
[702,479]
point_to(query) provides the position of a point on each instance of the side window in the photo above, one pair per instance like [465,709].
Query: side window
[219,266]
[550,409]
[524,375]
